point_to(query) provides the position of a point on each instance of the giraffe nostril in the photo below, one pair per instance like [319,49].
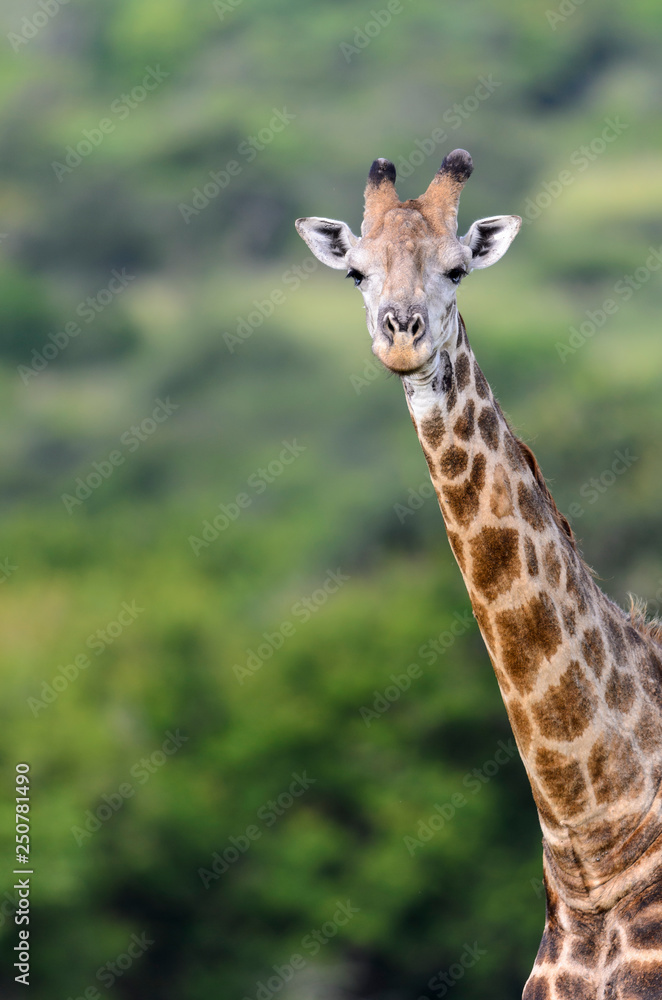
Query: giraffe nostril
[413,326]
[390,326]
[417,328]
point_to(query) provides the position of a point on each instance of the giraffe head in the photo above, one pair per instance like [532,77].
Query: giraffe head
[408,260]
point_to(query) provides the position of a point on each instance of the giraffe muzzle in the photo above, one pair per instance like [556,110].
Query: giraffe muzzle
[402,343]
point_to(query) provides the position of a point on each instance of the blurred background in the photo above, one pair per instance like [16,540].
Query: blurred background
[268,753]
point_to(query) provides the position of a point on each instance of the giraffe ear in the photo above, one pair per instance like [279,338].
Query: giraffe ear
[488,239]
[328,239]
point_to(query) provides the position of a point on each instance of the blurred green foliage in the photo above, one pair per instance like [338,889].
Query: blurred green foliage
[223,317]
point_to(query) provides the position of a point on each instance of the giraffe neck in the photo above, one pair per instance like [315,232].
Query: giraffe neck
[581,685]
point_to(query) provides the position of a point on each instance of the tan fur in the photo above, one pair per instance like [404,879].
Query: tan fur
[638,617]
[379,199]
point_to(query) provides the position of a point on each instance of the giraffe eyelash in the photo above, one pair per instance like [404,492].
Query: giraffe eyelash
[456,275]
[356,275]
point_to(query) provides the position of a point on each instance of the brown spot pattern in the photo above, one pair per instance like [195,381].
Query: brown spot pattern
[650,675]
[429,459]
[644,918]
[482,388]
[528,634]
[572,987]
[633,636]
[451,396]
[488,425]
[432,427]
[453,462]
[513,453]
[531,557]
[585,950]
[615,638]
[520,723]
[501,501]
[569,618]
[550,946]
[481,616]
[531,506]
[620,691]
[462,372]
[464,425]
[537,988]
[463,500]
[593,650]
[646,933]
[496,561]
[552,565]
[567,707]
[614,768]
[639,981]
[478,472]
[575,582]
[563,780]
[648,731]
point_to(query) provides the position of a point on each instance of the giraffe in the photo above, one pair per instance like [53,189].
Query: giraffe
[580,678]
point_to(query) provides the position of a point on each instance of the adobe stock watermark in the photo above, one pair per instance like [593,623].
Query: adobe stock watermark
[291,279]
[415,500]
[267,814]
[445,979]
[580,159]
[370,373]
[564,10]
[8,906]
[131,440]
[142,771]
[302,610]
[247,150]
[98,642]
[257,483]
[7,569]
[32,25]
[379,19]
[225,7]
[430,651]
[110,972]
[120,109]
[87,310]
[538,887]
[622,292]
[311,943]
[474,781]
[454,117]
[597,486]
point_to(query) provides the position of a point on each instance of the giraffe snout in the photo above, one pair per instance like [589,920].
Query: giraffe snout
[401,342]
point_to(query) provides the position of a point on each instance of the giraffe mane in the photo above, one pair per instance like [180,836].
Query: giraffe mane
[651,627]
[648,626]
[532,463]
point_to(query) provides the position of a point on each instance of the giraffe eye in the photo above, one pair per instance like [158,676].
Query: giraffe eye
[456,275]
[356,275]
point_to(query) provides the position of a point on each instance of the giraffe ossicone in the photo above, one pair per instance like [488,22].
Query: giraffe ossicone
[581,679]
